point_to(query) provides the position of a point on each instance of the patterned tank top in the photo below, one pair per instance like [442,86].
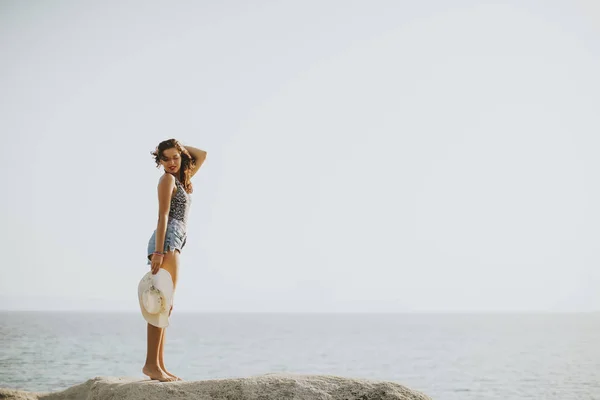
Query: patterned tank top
[180,203]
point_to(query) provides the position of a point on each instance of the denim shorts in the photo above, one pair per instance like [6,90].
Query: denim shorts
[175,238]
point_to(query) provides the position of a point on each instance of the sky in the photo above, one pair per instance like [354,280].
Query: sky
[380,156]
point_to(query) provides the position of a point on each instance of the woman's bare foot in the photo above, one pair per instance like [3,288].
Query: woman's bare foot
[155,373]
[171,375]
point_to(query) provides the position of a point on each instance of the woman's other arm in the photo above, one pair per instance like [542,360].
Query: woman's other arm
[166,184]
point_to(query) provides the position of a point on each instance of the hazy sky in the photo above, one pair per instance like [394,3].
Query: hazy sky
[369,156]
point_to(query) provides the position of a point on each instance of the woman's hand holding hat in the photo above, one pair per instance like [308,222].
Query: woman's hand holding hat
[157,259]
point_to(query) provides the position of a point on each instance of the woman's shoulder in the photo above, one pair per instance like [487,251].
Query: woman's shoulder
[167,179]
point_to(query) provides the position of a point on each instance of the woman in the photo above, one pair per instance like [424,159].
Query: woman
[174,189]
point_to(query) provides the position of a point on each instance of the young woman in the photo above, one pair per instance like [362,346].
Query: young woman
[174,188]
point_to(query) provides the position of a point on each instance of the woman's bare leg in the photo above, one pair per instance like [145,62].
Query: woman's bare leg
[161,356]
[171,264]
[152,369]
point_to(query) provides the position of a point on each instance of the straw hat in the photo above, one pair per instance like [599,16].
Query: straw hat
[155,293]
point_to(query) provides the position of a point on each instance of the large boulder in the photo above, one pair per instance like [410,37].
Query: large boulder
[263,387]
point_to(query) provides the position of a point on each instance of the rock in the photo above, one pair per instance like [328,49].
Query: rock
[11,394]
[263,387]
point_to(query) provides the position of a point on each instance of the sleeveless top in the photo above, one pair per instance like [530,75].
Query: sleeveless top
[180,203]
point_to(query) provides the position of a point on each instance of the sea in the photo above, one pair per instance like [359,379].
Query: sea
[499,356]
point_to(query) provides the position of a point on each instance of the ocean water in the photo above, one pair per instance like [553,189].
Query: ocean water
[446,356]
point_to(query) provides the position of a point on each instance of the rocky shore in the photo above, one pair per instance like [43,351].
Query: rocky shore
[263,387]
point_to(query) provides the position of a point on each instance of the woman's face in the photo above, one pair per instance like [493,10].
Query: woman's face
[171,160]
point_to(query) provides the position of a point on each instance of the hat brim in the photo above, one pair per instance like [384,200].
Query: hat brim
[162,281]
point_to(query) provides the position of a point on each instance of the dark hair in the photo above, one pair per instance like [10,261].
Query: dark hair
[187,162]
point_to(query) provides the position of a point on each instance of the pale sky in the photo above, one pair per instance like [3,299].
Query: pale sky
[363,156]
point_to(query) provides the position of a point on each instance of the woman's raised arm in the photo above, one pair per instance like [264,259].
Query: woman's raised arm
[198,155]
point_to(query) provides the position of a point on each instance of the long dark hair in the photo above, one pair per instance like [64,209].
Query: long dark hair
[187,162]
